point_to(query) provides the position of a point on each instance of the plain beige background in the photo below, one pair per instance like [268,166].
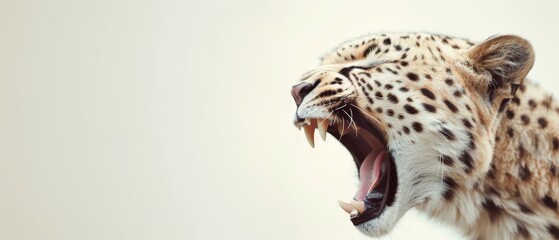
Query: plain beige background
[133,119]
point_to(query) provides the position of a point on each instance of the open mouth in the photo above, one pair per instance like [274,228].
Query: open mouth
[376,167]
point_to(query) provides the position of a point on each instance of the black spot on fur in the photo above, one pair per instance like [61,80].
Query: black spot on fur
[447,160]
[406,130]
[412,76]
[387,41]
[403,89]
[493,210]
[521,229]
[510,132]
[524,173]
[550,202]
[510,114]
[451,106]
[467,123]
[553,231]
[448,194]
[523,208]
[467,159]
[410,109]
[553,170]
[449,82]
[417,127]
[532,104]
[390,112]
[555,143]
[392,98]
[542,122]
[427,93]
[429,107]
[525,119]
[448,134]
[369,49]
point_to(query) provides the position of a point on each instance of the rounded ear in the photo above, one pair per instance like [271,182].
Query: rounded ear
[507,59]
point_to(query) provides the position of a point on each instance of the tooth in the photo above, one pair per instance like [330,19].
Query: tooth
[346,206]
[322,127]
[359,206]
[308,121]
[354,213]
[309,133]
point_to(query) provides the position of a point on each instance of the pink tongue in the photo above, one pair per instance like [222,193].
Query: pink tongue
[369,173]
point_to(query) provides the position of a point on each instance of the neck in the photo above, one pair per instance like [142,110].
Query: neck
[518,197]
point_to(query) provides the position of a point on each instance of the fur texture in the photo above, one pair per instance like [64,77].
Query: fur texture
[475,145]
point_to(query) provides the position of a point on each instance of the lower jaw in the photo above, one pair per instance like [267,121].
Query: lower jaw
[381,197]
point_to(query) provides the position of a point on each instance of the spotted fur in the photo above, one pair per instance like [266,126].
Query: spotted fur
[475,145]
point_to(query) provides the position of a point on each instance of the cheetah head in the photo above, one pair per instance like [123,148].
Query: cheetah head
[417,113]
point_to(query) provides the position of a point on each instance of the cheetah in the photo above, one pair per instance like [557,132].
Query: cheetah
[443,125]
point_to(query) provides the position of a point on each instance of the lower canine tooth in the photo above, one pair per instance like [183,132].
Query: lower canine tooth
[353,213]
[360,206]
[346,207]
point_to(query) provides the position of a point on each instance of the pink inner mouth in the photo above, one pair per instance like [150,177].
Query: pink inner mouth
[370,170]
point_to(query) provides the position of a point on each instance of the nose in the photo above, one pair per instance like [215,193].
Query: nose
[301,90]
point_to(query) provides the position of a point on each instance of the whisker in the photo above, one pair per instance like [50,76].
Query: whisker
[365,112]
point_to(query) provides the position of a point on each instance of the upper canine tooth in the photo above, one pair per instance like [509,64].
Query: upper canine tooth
[346,206]
[308,121]
[360,206]
[322,128]
[309,132]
